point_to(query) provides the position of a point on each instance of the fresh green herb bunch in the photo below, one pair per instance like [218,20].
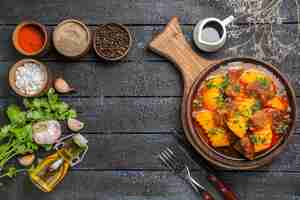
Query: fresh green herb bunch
[49,107]
[16,137]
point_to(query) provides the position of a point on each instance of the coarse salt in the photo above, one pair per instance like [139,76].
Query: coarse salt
[30,78]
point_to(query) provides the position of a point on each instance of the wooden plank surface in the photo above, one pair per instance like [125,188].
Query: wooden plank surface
[115,115]
[158,185]
[122,114]
[130,79]
[108,152]
[131,107]
[119,79]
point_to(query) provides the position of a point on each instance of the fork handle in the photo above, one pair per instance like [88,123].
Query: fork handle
[206,196]
[227,193]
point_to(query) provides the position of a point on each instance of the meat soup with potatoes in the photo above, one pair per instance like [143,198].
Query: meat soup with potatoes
[241,110]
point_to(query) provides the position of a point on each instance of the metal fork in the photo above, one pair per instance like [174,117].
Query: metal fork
[179,168]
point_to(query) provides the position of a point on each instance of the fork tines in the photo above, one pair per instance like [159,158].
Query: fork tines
[172,161]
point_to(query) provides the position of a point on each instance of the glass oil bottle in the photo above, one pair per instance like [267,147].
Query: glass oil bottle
[50,171]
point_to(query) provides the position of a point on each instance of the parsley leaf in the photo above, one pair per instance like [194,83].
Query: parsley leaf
[257,139]
[225,83]
[282,128]
[15,115]
[215,131]
[210,83]
[256,106]
[236,88]
[263,82]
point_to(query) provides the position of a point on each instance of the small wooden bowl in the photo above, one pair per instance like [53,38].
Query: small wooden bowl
[17,45]
[12,78]
[62,49]
[100,54]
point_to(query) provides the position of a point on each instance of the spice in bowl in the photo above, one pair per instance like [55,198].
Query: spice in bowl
[72,38]
[28,77]
[112,41]
[30,38]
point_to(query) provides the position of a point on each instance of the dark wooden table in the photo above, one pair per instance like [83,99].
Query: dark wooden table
[130,107]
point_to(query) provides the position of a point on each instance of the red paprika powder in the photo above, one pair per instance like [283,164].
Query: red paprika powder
[31,38]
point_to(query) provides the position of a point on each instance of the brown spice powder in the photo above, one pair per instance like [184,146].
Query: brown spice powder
[71,39]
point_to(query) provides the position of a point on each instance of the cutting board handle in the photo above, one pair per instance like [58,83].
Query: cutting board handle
[172,45]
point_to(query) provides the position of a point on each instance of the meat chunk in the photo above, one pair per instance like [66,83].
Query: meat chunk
[280,121]
[260,119]
[258,84]
[220,117]
[245,147]
[264,89]
[234,73]
[234,88]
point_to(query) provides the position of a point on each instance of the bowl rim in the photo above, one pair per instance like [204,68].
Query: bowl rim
[16,32]
[213,156]
[12,77]
[116,58]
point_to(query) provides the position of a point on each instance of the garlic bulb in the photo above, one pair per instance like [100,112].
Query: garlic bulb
[26,160]
[46,132]
[62,86]
[75,125]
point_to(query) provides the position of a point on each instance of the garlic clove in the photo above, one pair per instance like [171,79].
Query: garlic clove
[80,140]
[75,125]
[26,160]
[62,86]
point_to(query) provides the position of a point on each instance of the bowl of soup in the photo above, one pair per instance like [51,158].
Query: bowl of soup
[241,113]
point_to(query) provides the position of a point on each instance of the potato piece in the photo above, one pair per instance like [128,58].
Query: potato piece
[205,119]
[278,103]
[262,139]
[215,81]
[251,75]
[245,106]
[264,89]
[212,98]
[218,137]
[234,88]
[238,124]
[212,91]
